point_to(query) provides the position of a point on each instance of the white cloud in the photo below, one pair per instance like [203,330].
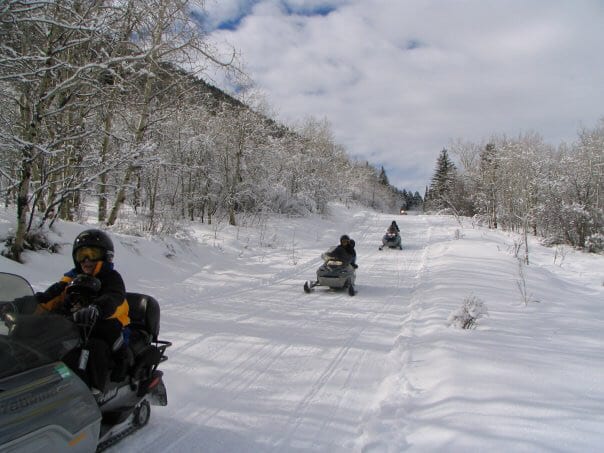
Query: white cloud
[221,11]
[399,80]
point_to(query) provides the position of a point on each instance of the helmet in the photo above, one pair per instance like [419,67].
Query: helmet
[94,238]
[344,237]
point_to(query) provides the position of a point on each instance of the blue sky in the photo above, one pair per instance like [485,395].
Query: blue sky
[401,79]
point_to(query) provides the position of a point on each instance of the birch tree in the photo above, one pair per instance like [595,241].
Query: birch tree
[50,71]
[168,37]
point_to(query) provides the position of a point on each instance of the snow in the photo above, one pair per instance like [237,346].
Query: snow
[257,365]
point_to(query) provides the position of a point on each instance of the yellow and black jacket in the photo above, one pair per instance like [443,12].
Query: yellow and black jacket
[111,299]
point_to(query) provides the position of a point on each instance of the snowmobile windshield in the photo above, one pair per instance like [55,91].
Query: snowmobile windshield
[16,296]
[13,287]
[29,340]
[16,357]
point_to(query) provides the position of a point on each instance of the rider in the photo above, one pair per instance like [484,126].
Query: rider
[107,313]
[393,228]
[346,248]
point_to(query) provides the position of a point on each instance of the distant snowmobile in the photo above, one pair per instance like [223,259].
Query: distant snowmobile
[336,272]
[44,402]
[392,239]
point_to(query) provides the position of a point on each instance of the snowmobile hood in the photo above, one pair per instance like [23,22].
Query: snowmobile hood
[47,406]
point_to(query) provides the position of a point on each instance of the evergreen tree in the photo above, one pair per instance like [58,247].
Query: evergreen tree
[443,182]
[383,178]
[417,201]
[405,200]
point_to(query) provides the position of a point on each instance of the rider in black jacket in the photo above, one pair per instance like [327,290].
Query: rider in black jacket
[346,250]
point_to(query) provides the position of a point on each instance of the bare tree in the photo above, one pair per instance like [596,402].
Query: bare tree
[169,37]
[50,69]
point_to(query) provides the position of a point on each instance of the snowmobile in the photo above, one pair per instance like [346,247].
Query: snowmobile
[336,272]
[44,404]
[392,239]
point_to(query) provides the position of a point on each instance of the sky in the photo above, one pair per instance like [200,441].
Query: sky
[259,366]
[399,80]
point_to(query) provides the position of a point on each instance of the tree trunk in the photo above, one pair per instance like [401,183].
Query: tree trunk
[140,130]
[143,121]
[22,208]
[107,126]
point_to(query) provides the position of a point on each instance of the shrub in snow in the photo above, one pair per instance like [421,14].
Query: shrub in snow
[480,220]
[559,255]
[595,243]
[34,240]
[465,317]
[552,240]
[522,286]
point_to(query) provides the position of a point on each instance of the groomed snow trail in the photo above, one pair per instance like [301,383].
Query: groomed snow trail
[271,368]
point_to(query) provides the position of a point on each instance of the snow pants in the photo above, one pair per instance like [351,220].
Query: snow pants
[100,346]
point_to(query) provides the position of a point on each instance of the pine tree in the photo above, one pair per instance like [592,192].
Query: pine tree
[443,182]
[417,201]
[383,178]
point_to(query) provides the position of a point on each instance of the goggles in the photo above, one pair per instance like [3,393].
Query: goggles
[90,253]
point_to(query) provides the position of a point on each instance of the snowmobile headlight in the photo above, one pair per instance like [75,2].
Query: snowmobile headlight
[334,263]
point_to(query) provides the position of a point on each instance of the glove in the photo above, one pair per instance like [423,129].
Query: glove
[7,315]
[87,315]
[5,309]
[74,302]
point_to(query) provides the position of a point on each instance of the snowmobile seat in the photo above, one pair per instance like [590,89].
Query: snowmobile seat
[144,325]
[144,314]
[144,344]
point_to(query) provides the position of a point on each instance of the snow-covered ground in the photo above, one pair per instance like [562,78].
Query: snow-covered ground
[257,365]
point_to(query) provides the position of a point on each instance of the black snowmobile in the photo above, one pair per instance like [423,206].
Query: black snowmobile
[392,240]
[336,272]
[44,405]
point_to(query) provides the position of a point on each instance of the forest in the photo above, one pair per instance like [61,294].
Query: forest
[105,110]
[525,185]
[104,105]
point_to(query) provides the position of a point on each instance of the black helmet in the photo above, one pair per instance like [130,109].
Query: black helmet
[93,238]
[344,237]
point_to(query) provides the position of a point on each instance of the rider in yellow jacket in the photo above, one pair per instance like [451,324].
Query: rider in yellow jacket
[106,312]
